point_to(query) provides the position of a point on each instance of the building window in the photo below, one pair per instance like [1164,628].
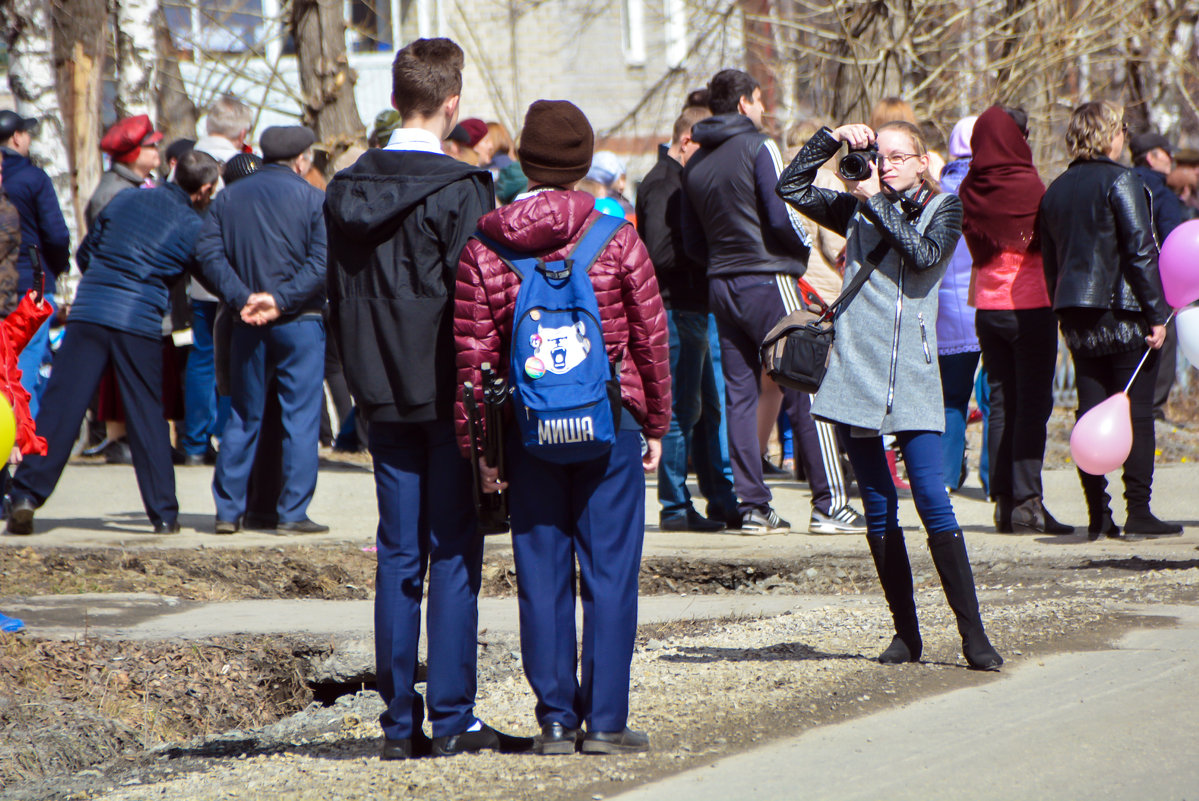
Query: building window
[369,29]
[216,26]
[632,18]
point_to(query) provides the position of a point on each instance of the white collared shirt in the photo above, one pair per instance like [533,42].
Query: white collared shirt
[414,139]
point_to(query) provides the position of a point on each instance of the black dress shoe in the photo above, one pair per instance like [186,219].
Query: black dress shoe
[193,459]
[20,516]
[418,746]
[304,526]
[117,452]
[163,527]
[556,739]
[484,739]
[690,521]
[615,742]
[226,526]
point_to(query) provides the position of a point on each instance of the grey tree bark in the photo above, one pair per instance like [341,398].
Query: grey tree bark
[326,80]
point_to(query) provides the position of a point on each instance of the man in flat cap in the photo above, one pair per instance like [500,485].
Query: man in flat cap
[262,250]
[132,145]
[30,190]
[1152,159]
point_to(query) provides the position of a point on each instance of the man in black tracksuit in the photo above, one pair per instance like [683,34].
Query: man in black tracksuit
[696,390]
[397,221]
[755,248]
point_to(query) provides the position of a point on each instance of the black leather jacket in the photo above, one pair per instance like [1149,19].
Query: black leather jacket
[1096,229]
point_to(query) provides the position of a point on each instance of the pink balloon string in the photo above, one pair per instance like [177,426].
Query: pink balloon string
[1141,364]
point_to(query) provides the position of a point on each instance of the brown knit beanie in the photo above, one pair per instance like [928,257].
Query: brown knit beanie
[555,143]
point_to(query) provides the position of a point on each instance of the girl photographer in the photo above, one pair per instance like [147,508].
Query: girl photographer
[883,376]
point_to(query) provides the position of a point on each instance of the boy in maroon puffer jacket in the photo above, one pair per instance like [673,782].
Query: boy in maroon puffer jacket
[592,510]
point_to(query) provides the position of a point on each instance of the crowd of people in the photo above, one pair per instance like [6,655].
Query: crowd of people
[628,336]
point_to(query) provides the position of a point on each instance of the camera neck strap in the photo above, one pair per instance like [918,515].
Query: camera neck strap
[912,207]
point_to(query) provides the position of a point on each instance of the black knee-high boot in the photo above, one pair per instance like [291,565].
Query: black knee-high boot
[949,555]
[895,574]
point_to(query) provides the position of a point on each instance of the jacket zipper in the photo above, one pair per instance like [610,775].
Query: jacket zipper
[928,359]
[895,341]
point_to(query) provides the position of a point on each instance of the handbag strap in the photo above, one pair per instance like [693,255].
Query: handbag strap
[913,208]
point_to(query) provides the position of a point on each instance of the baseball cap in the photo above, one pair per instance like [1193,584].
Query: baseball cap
[11,122]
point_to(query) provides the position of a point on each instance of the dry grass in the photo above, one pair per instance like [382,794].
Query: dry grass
[67,705]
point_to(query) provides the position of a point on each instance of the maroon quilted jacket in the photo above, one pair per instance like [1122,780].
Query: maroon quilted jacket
[631,313]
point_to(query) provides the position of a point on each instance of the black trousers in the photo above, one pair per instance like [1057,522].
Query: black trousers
[86,351]
[1098,378]
[1019,354]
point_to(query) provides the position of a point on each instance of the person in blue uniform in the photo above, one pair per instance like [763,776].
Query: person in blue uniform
[262,250]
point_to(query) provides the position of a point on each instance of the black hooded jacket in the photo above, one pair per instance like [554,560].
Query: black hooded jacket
[397,222]
[732,217]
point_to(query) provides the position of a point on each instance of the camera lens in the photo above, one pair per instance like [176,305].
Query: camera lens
[855,166]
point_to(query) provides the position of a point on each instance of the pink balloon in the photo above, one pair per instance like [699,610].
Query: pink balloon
[1178,265]
[1102,438]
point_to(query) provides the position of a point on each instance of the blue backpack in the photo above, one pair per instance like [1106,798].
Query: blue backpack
[566,394]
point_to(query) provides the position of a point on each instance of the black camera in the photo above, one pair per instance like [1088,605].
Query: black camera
[855,165]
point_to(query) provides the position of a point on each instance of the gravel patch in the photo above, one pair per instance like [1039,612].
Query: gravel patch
[701,690]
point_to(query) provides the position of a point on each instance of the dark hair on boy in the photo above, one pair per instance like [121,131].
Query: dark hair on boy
[726,89]
[1019,116]
[697,97]
[194,169]
[424,75]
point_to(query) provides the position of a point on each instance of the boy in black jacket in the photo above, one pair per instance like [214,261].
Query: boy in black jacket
[397,222]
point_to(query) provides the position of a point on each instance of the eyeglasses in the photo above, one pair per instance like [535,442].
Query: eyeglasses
[899,159]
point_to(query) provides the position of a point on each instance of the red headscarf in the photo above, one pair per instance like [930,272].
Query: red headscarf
[1002,191]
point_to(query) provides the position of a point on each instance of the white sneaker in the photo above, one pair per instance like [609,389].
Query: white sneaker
[843,521]
[767,522]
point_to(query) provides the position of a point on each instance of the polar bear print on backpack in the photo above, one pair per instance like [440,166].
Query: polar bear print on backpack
[562,349]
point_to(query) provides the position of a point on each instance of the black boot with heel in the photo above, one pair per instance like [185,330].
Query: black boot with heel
[895,574]
[949,556]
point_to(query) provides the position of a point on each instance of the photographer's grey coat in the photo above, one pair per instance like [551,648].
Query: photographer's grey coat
[883,374]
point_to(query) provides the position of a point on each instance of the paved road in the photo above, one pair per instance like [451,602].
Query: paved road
[98,505]
[1115,724]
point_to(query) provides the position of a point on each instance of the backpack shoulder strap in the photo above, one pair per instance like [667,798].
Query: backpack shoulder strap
[518,263]
[597,236]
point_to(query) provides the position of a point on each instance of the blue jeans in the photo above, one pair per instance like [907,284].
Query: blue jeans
[695,425]
[957,383]
[922,457]
[426,521]
[205,413]
[36,353]
[293,352]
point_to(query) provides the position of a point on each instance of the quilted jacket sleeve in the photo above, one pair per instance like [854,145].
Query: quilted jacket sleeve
[828,208]
[476,335]
[649,344]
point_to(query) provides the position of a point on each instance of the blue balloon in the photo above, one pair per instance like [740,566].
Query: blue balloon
[606,205]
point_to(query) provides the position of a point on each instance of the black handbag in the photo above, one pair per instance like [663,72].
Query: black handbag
[796,351]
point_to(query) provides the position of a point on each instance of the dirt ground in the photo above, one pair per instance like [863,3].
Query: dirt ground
[97,706]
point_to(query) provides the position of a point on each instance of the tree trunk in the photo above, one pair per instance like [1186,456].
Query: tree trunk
[34,85]
[80,46]
[326,80]
[136,65]
[176,112]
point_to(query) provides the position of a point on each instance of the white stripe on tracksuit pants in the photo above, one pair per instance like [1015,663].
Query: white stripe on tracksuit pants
[830,455]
